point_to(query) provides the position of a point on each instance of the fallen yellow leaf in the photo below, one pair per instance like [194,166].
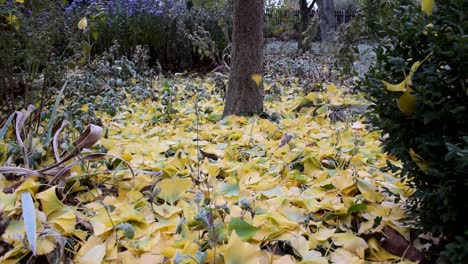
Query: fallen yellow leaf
[173,189]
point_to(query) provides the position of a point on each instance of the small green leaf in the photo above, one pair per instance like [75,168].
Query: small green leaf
[94,35]
[229,190]
[243,229]
[127,229]
[356,207]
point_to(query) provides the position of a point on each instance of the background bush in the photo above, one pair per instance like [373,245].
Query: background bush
[40,41]
[431,138]
[179,35]
[33,41]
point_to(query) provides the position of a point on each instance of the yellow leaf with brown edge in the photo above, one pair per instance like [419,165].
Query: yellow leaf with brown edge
[427,6]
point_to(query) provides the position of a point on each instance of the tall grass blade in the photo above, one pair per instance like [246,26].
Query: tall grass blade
[54,113]
[5,126]
[29,216]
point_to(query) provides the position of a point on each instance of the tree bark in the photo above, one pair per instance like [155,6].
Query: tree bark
[304,21]
[327,19]
[244,96]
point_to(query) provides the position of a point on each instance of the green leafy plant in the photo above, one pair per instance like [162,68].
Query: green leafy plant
[419,90]
[34,42]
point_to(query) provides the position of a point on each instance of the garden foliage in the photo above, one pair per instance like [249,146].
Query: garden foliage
[299,185]
[179,35]
[419,89]
[34,41]
[40,41]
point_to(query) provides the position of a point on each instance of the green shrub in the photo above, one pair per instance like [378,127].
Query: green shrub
[426,127]
[179,36]
[33,39]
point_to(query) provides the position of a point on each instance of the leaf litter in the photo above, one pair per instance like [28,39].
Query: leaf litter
[290,186]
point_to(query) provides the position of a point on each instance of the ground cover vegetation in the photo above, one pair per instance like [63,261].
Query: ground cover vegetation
[113,158]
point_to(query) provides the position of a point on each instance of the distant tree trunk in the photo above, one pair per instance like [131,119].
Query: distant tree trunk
[244,96]
[327,19]
[304,21]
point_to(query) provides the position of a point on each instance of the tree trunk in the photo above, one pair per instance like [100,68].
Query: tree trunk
[327,19]
[245,88]
[303,23]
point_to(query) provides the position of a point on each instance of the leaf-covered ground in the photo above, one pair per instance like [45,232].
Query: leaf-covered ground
[300,184]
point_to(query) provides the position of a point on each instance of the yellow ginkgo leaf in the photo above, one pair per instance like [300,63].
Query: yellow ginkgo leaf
[126,156]
[342,256]
[237,251]
[49,201]
[407,102]
[101,222]
[420,162]
[377,253]
[257,78]
[324,233]
[85,108]
[20,1]
[11,19]
[426,6]
[60,217]
[30,184]
[350,242]
[45,244]
[301,245]
[63,221]
[7,202]
[83,23]
[368,190]
[166,211]
[401,87]
[94,256]
[173,189]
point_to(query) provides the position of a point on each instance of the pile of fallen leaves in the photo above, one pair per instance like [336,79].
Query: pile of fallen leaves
[290,186]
